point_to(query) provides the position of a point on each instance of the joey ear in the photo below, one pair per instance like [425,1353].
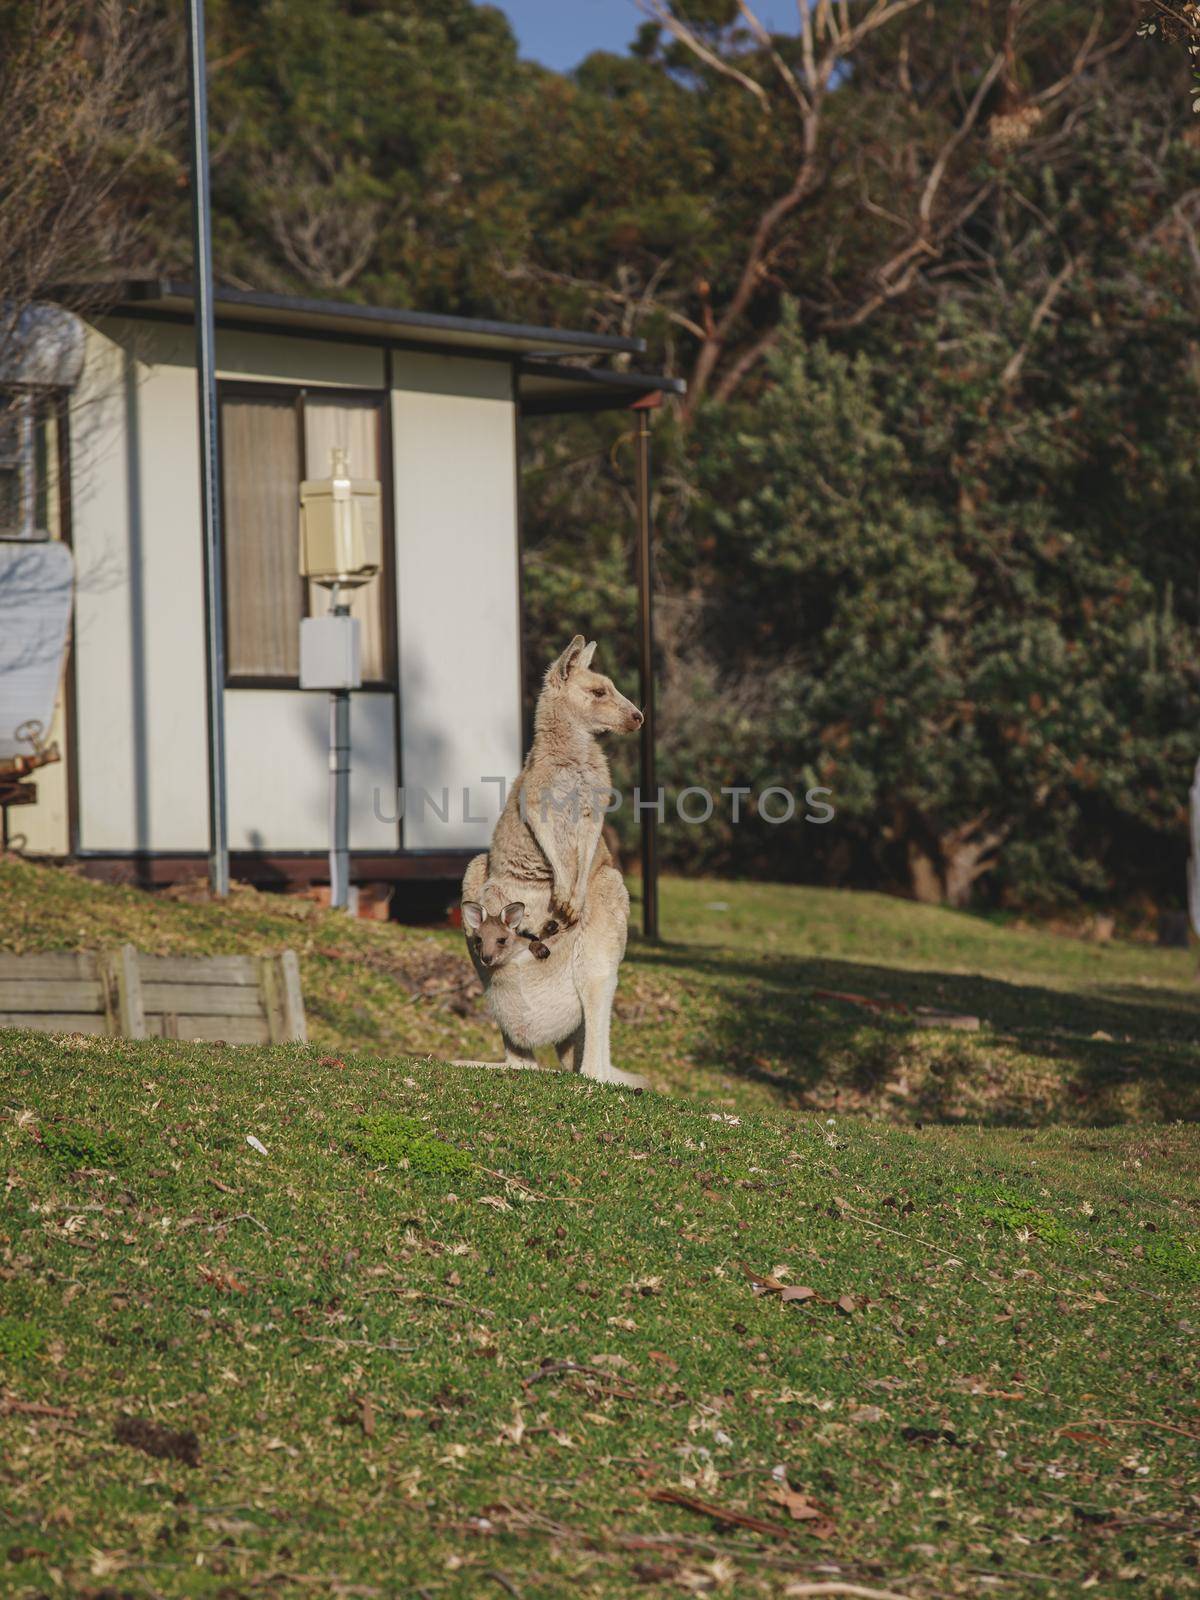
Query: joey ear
[586,654]
[566,663]
[511,915]
[472,915]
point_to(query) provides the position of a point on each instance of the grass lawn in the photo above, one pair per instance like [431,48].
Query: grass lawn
[739,1004]
[454,1333]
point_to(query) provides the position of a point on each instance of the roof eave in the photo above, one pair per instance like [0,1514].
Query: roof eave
[389,324]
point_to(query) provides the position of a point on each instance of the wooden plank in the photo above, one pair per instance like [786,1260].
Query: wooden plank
[64,965]
[272,996]
[199,969]
[56,1022]
[294,1021]
[203,999]
[51,994]
[123,992]
[233,1030]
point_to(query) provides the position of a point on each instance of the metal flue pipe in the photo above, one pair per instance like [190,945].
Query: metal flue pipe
[210,503]
[645,584]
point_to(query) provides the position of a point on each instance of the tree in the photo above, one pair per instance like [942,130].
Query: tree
[973,627]
[855,166]
[88,100]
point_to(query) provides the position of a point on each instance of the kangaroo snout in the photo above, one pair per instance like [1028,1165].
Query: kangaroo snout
[636,717]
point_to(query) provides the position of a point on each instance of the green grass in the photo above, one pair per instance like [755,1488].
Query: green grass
[456,1333]
[456,1382]
[735,1006]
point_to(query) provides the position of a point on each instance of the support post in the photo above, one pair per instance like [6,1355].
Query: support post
[645,581]
[339,788]
[218,823]
[121,976]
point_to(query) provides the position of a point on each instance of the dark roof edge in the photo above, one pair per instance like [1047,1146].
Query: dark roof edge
[603,377]
[150,290]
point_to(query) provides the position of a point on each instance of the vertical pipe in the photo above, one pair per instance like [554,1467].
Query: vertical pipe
[649,779]
[339,788]
[218,821]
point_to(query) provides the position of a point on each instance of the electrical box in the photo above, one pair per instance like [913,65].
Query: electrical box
[341,527]
[330,652]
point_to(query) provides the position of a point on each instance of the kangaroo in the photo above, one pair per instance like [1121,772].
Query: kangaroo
[548,856]
[549,838]
[498,937]
[535,989]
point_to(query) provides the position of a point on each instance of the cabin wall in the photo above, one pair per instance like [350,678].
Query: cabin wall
[139,629]
[139,616]
[454,423]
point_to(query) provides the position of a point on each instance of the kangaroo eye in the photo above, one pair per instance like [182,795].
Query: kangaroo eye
[599,693]
[501,941]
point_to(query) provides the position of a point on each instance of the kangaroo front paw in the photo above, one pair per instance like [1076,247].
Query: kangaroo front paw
[540,951]
[550,929]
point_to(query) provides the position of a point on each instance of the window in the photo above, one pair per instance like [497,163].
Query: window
[271,439]
[29,504]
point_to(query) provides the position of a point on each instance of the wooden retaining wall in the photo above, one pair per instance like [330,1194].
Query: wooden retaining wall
[123,993]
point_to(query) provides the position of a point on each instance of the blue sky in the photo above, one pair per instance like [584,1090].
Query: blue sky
[559,33]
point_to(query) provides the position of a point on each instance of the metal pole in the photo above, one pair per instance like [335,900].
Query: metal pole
[645,576]
[339,788]
[218,822]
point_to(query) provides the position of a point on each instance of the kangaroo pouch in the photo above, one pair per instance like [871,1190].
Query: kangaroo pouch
[537,1002]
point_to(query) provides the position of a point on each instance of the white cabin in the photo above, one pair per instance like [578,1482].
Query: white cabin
[429,405]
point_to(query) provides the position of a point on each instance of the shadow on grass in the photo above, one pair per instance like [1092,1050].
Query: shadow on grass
[1108,1055]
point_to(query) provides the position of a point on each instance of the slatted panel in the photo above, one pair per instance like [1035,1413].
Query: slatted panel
[234,1030]
[203,999]
[63,965]
[50,994]
[197,969]
[238,999]
[55,1021]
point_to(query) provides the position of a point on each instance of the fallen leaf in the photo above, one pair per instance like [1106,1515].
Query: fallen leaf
[801,1509]
[223,1280]
[763,1282]
[366,1418]
[799,1293]
[847,1304]
[257,1144]
[867,1414]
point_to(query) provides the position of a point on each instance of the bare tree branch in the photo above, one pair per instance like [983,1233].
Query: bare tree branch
[659,11]
[1012,369]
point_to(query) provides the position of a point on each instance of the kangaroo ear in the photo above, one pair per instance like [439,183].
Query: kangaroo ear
[586,654]
[511,915]
[472,915]
[566,663]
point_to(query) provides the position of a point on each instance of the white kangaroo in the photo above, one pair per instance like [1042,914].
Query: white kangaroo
[548,866]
